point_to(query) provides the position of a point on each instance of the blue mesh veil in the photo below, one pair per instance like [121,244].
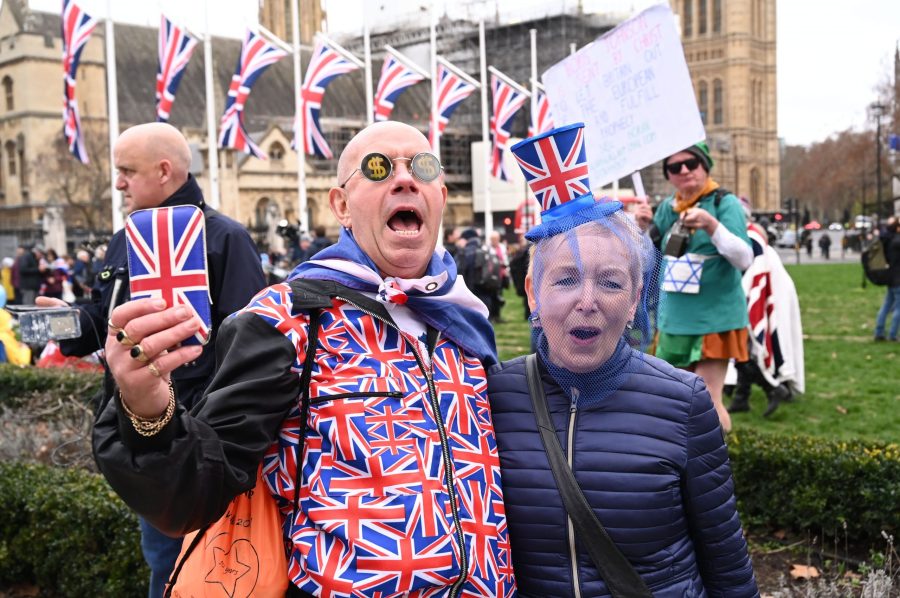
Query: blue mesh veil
[595,291]
[593,273]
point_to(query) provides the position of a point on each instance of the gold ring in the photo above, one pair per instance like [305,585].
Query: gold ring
[137,352]
[152,367]
[123,338]
[113,327]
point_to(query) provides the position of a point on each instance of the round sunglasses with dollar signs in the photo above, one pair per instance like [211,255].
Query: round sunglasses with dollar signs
[377,167]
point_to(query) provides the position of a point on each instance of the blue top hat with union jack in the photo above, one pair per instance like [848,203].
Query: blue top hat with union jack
[555,166]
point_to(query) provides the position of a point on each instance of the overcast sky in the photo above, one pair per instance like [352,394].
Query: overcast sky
[831,55]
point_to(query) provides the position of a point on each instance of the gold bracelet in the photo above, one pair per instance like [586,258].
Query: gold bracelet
[150,426]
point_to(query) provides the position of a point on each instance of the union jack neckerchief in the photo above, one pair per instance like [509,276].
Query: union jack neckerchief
[438,297]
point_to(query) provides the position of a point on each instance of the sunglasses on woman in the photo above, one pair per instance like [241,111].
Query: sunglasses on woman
[675,167]
[378,167]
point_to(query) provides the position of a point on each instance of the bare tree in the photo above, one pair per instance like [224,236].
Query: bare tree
[84,189]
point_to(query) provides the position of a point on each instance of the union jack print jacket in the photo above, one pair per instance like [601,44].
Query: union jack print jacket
[400,490]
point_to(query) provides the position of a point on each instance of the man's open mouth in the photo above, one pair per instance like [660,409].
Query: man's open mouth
[584,333]
[405,222]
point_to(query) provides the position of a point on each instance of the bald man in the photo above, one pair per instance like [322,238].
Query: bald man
[153,170]
[399,489]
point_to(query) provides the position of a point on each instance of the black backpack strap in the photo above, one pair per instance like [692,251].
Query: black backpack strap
[306,298]
[718,194]
[620,577]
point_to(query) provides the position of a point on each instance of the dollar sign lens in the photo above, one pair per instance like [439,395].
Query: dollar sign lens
[375,166]
[424,167]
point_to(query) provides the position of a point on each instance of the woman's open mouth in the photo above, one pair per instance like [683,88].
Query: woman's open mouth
[405,222]
[584,335]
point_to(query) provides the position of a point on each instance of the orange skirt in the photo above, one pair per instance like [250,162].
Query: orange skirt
[731,344]
[684,350]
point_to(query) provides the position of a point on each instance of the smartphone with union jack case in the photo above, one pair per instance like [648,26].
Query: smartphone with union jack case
[167,259]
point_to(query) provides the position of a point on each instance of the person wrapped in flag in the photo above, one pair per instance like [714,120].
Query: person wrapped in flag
[638,439]
[153,164]
[384,466]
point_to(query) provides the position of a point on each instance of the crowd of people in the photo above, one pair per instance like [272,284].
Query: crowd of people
[362,374]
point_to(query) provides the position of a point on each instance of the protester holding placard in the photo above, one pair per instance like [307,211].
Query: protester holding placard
[703,319]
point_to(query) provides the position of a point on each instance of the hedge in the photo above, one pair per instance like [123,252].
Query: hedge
[67,532]
[826,487]
[18,384]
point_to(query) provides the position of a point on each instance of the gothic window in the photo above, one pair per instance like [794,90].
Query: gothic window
[11,158]
[8,92]
[759,104]
[755,183]
[717,16]
[718,103]
[21,149]
[703,101]
[687,19]
[701,17]
[262,208]
[276,152]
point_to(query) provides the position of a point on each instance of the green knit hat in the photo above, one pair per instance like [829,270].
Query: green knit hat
[701,151]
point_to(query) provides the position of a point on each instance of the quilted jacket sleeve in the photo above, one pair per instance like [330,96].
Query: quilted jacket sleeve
[185,476]
[710,504]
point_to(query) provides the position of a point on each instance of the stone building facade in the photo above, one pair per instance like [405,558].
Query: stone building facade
[729,46]
[730,50]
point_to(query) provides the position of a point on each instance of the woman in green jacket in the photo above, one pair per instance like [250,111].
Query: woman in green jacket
[703,310]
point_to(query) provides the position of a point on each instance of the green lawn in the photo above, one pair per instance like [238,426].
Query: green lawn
[852,383]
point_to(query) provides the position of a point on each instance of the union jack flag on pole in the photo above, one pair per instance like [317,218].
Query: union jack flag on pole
[167,259]
[328,62]
[257,54]
[77,27]
[453,86]
[397,74]
[507,99]
[175,48]
[541,119]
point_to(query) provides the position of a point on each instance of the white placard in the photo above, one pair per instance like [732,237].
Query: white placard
[632,90]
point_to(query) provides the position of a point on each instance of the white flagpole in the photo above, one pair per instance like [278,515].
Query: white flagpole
[367,41]
[485,138]
[112,100]
[302,216]
[212,142]
[500,74]
[534,109]
[436,146]
[405,61]
[534,88]
[456,71]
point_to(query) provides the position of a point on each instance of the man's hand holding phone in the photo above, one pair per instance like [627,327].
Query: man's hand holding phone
[143,351]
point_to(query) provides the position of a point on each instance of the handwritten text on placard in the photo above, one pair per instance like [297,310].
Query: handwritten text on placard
[632,90]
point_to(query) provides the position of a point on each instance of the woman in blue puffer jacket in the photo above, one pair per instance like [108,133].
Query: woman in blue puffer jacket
[642,438]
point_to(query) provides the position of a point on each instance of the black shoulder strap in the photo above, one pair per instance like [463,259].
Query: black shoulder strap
[620,577]
[306,297]
[719,193]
